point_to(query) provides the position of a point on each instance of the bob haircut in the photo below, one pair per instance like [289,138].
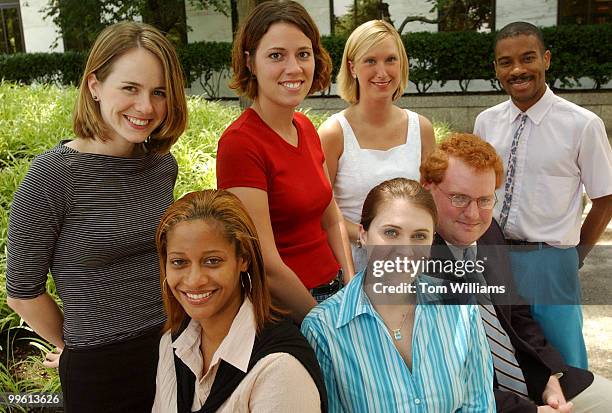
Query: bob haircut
[110,44]
[467,147]
[396,188]
[255,27]
[361,40]
[225,209]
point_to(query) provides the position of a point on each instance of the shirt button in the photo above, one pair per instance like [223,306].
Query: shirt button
[417,401]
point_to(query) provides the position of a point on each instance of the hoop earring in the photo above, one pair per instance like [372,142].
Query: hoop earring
[250,283]
[165,286]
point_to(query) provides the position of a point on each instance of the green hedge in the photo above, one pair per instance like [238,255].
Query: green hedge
[62,68]
[578,51]
[34,119]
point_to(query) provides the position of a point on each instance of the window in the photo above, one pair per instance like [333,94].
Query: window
[585,11]
[466,15]
[11,35]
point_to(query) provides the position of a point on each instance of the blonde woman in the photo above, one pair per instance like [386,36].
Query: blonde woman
[373,139]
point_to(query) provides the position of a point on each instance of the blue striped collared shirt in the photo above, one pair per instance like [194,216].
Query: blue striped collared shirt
[452,369]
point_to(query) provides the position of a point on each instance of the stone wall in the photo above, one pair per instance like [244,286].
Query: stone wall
[460,111]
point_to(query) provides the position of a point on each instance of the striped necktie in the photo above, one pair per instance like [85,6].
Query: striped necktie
[507,371]
[509,186]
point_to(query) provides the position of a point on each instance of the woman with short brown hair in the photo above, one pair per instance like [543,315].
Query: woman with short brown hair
[87,211]
[271,156]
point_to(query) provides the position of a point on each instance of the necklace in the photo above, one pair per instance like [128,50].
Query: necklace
[397,333]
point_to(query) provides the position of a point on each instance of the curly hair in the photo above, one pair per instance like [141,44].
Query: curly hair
[467,147]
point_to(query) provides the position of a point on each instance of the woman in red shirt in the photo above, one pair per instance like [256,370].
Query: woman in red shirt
[271,156]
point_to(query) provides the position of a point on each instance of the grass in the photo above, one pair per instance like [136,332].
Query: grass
[35,118]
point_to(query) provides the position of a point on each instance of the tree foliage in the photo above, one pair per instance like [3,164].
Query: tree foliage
[364,11]
[456,15]
[80,21]
[451,15]
[463,15]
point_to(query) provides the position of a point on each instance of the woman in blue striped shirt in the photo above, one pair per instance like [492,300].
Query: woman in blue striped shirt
[381,351]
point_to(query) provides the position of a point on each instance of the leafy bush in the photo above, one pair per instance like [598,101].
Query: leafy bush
[460,56]
[35,118]
[578,51]
[61,68]
[207,63]
[335,47]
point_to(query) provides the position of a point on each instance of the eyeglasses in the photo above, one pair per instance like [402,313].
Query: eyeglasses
[463,201]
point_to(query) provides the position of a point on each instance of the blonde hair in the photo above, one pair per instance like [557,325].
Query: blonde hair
[362,39]
[110,44]
[225,209]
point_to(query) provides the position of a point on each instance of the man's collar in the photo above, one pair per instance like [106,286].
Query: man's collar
[536,112]
[457,250]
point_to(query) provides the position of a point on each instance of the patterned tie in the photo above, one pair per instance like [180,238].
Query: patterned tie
[509,187]
[507,371]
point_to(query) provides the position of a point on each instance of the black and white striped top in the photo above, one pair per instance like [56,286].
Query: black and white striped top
[91,219]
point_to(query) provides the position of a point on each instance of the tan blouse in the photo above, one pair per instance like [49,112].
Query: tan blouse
[277,383]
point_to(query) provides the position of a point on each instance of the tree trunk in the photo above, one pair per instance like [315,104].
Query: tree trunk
[170,17]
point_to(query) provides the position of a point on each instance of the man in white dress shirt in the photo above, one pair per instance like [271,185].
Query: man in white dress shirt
[550,148]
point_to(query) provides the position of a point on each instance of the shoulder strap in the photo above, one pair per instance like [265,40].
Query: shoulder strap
[348,135]
[414,133]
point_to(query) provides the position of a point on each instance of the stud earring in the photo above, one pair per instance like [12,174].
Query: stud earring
[95,98]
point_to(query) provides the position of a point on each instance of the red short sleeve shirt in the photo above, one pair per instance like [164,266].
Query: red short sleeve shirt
[251,154]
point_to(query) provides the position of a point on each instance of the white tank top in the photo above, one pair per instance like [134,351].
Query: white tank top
[360,170]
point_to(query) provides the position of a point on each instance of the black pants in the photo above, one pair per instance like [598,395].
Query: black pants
[113,378]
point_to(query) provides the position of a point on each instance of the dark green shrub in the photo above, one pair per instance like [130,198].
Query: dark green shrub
[335,47]
[207,63]
[423,54]
[578,52]
[60,68]
[462,56]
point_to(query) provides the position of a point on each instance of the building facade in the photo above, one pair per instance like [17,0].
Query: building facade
[24,28]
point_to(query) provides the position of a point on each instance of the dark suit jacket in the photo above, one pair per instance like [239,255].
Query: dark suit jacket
[536,357]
